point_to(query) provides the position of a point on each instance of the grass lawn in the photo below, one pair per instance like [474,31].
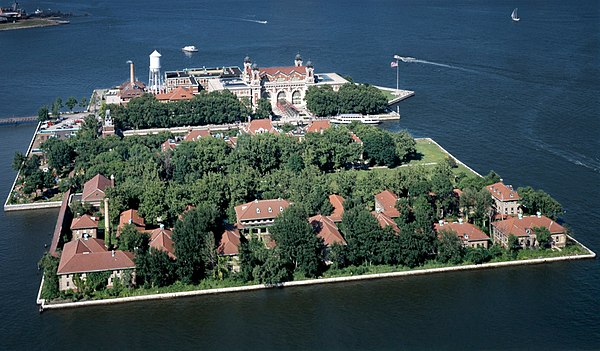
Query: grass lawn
[388,94]
[432,154]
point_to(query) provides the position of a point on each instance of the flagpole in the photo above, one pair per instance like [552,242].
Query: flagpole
[397,77]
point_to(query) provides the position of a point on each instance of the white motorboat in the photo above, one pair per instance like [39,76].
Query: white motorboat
[190,48]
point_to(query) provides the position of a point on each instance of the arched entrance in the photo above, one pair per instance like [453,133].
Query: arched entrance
[296,98]
[281,98]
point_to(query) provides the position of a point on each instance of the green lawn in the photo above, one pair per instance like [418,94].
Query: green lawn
[388,94]
[430,153]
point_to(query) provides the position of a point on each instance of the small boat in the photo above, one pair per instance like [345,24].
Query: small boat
[262,22]
[190,48]
[514,15]
[351,117]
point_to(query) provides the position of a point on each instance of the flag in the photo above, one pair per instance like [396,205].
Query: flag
[394,64]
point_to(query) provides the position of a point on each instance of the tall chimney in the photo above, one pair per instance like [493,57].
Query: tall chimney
[106,221]
[131,75]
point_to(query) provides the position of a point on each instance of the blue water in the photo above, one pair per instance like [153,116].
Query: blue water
[519,98]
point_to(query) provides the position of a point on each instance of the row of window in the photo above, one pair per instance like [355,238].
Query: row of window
[270,209]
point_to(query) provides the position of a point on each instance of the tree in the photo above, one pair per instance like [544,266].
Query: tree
[450,248]
[263,109]
[71,103]
[513,245]
[478,255]
[363,235]
[275,270]
[59,153]
[154,268]
[49,265]
[296,241]
[43,114]
[405,146]
[194,241]
[83,102]
[18,160]
[130,239]
[56,106]
[253,255]
[538,200]
[379,146]
[322,101]
[543,236]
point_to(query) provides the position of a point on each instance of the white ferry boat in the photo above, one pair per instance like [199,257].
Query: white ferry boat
[190,48]
[348,118]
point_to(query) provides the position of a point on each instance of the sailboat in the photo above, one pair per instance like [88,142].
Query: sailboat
[514,15]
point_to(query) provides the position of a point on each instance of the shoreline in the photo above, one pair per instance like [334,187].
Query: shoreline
[16,25]
[317,281]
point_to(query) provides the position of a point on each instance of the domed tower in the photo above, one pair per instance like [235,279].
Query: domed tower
[155,80]
[247,72]
[310,72]
[255,75]
[298,60]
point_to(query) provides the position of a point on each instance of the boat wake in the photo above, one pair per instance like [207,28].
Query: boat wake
[571,156]
[414,60]
[254,21]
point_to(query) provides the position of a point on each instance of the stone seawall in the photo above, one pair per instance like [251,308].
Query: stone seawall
[45,306]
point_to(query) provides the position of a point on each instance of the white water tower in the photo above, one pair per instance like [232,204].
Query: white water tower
[155,81]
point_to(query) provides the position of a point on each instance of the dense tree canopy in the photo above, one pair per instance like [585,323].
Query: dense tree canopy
[194,241]
[296,241]
[205,108]
[351,98]
[538,200]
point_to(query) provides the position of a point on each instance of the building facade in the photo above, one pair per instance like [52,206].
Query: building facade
[523,228]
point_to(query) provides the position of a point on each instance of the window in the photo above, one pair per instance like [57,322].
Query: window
[270,210]
[280,208]
[257,210]
[67,283]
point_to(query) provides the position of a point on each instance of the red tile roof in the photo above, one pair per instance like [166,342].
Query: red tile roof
[503,192]
[285,72]
[196,134]
[388,200]
[230,241]
[129,90]
[259,209]
[318,126]
[338,207]
[93,189]
[465,231]
[162,239]
[177,94]
[355,138]
[84,222]
[168,145]
[259,126]
[326,229]
[385,220]
[521,226]
[81,256]
[130,217]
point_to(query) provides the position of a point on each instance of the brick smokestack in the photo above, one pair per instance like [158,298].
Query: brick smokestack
[131,75]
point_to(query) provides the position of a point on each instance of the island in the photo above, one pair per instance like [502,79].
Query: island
[257,178]
[14,17]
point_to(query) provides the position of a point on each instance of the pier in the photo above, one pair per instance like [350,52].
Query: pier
[18,120]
